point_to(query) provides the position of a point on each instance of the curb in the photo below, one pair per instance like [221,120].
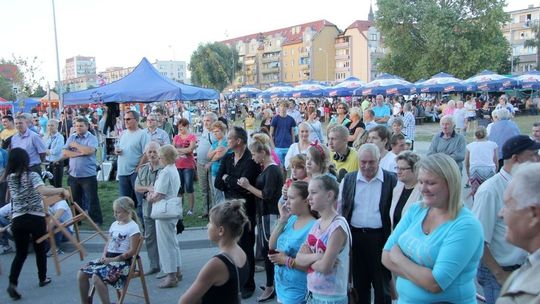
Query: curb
[96,244]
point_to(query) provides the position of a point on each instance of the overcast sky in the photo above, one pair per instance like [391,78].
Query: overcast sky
[121,32]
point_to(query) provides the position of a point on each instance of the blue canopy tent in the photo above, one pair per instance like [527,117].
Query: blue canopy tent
[143,84]
[25,105]
[385,84]
[277,90]
[307,89]
[529,81]
[246,92]
[344,88]
[441,83]
[489,81]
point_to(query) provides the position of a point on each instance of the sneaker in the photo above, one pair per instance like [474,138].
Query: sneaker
[161,275]
[58,252]
[190,212]
[6,249]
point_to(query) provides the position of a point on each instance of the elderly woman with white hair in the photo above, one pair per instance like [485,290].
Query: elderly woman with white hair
[356,127]
[166,187]
[521,214]
[501,130]
[449,142]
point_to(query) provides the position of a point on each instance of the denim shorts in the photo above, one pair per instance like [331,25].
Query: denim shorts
[186,180]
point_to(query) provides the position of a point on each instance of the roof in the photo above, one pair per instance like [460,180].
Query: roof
[361,25]
[288,33]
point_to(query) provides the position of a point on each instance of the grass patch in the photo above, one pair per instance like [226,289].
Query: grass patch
[108,191]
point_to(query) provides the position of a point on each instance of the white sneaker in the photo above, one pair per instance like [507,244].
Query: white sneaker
[190,212]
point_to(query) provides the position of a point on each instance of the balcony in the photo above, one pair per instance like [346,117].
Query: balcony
[249,62]
[270,70]
[342,57]
[342,45]
[343,69]
[270,59]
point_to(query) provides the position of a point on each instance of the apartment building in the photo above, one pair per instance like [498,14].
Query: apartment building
[517,31]
[292,54]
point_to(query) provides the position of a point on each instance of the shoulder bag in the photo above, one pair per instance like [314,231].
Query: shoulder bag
[167,209]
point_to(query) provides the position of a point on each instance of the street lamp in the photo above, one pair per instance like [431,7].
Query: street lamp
[326,54]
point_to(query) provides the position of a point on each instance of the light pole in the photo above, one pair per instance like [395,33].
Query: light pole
[60,95]
[326,55]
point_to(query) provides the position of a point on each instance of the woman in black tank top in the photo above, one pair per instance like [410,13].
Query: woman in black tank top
[220,280]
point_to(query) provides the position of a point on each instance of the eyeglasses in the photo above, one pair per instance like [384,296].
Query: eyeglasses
[127,119]
[341,108]
[403,169]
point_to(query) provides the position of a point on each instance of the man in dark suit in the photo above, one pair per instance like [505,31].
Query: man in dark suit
[233,166]
[365,197]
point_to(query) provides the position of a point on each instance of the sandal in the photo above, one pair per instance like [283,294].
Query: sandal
[168,283]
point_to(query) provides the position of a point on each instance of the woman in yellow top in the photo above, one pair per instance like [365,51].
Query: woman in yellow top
[249,123]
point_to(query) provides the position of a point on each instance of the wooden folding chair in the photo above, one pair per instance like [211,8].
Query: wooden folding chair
[55,226]
[135,271]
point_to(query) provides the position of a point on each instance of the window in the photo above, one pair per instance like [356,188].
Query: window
[373,37]
[292,52]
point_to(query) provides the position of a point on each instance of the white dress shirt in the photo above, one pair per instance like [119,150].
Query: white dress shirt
[366,213]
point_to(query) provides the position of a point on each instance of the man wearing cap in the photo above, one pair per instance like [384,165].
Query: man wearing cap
[500,257]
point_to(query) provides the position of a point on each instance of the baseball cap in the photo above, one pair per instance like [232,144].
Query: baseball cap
[518,144]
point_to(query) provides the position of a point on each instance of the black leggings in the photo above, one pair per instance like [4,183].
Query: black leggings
[24,228]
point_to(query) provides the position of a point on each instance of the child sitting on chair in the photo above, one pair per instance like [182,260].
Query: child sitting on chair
[61,211]
[113,267]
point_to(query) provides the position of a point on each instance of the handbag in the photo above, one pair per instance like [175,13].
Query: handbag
[167,209]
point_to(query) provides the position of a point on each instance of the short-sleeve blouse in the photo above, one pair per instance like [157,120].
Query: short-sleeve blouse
[168,182]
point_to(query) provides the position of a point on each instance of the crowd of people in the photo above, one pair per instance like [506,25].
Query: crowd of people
[328,201]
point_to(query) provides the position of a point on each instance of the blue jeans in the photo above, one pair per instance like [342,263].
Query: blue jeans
[489,284]
[126,186]
[281,153]
[186,180]
[4,236]
[87,187]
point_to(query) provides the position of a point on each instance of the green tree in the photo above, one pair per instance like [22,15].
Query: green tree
[39,91]
[29,75]
[212,65]
[6,89]
[460,37]
[535,42]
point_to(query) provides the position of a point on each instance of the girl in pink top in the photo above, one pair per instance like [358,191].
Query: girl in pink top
[326,251]
[185,144]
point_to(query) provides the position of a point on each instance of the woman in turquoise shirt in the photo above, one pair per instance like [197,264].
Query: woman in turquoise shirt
[296,220]
[436,248]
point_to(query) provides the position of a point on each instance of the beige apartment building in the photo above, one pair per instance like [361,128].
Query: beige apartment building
[292,54]
[517,31]
[316,50]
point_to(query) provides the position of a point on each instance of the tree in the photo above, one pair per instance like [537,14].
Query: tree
[6,89]
[425,37]
[28,77]
[38,92]
[535,42]
[212,65]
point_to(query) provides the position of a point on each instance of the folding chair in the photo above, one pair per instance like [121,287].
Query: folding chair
[55,226]
[135,271]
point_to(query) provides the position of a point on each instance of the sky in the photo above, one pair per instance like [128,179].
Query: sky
[121,32]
